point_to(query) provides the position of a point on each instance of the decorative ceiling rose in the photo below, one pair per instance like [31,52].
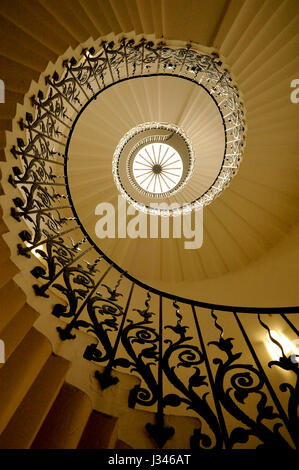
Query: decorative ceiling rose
[157,159]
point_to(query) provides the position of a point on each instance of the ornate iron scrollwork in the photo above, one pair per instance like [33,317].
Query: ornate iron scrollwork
[156,353]
[291,364]
[244,380]
[190,357]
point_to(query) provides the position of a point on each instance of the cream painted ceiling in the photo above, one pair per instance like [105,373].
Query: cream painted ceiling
[103,124]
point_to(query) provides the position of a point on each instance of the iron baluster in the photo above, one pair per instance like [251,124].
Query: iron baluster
[159,49]
[65,333]
[288,364]
[142,41]
[158,431]
[273,395]
[26,237]
[190,357]
[141,333]
[188,46]
[39,104]
[212,384]
[73,62]
[48,81]
[107,59]
[290,323]
[86,55]
[41,290]
[123,41]
[105,379]
[234,383]
[30,128]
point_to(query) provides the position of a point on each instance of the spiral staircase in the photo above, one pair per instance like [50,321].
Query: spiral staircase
[99,333]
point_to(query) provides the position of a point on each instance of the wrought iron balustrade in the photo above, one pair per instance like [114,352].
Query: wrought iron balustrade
[192,357]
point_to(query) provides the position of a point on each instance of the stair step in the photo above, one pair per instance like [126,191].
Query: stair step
[12,300]
[112,400]
[100,432]
[20,371]
[66,421]
[122,445]
[24,49]
[64,14]
[37,23]
[16,330]
[17,76]
[136,436]
[7,270]
[35,406]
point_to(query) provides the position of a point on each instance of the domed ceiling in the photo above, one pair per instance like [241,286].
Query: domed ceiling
[251,215]
[96,135]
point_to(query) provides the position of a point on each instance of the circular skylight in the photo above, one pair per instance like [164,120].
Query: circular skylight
[157,168]
[145,167]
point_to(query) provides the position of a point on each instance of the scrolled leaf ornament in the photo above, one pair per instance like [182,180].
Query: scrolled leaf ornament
[245,381]
[289,364]
[143,360]
[193,390]
[155,352]
[104,317]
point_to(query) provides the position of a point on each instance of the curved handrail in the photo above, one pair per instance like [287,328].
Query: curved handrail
[197,303]
[206,305]
[149,343]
